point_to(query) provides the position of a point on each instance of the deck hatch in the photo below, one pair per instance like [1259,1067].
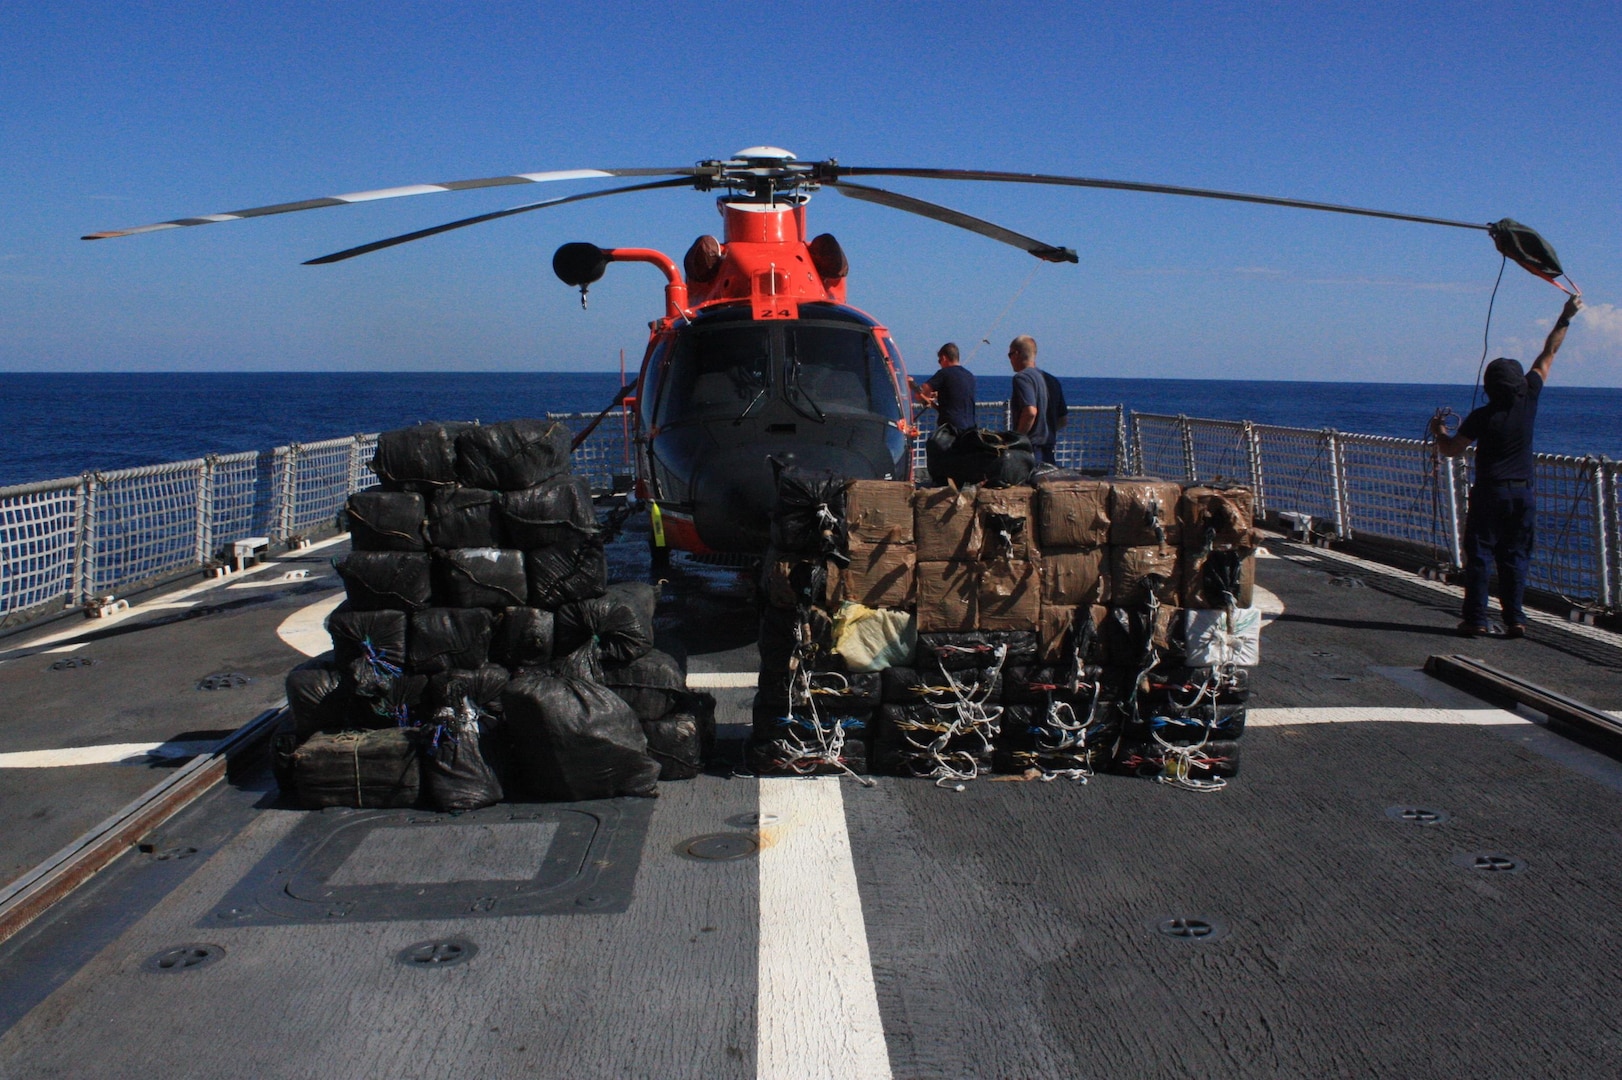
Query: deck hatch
[1489,862]
[379,865]
[441,953]
[1195,928]
[1418,815]
[183,958]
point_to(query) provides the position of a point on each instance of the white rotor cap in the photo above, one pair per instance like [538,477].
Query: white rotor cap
[764,153]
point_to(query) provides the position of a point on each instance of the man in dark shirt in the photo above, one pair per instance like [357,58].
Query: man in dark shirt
[1498,527]
[1028,406]
[950,390]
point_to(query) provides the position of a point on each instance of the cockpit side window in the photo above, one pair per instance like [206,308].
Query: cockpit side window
[716,372]
[838,369]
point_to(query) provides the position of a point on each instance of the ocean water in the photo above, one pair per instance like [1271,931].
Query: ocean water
[55,425]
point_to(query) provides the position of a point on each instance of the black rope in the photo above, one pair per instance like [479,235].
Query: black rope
[1487,330]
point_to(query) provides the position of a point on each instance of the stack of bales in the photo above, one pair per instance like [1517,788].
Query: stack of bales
[476,570]
[1049,626]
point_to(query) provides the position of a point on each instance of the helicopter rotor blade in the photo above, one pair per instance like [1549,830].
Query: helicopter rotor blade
[835,173]
[391,193]
[393,241]
[895,201]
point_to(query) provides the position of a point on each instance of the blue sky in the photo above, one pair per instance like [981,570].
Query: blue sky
[123,114]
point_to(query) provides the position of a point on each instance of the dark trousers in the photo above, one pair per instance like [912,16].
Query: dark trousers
[1045,454]
[1498,529]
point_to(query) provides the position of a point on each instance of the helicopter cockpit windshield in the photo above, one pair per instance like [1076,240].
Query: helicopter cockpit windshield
[719,372]
[832,368]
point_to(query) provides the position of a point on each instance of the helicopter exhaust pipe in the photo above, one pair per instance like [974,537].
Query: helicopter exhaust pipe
[581,265]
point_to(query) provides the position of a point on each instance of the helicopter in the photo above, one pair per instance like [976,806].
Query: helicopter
[758,362]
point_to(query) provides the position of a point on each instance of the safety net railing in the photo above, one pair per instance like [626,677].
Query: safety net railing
[65,542]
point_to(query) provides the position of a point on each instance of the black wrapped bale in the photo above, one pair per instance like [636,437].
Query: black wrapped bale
[978,456]
[482,686]
[456,749]
[443,639]
[360,635]
[384,697]
[464,518]
[700,704]
[387,580]
[676,743]
[573,569]
[573,738]
[421,458]
[782,631]
[621,622]
[1217,759]
[370,770]
[491,578]
[651,684]
[975,649]
[320,698]
[914,686]
[523,638]
[284,741]
[543,515]
[386,521]
[809,518]
[513,454]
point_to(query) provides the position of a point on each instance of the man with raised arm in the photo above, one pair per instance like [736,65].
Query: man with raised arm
[950,390]
[1503,503]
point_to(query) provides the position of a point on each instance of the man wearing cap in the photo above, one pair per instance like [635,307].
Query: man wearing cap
[1503,505]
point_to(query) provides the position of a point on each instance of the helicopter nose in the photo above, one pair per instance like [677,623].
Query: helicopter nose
[734,490]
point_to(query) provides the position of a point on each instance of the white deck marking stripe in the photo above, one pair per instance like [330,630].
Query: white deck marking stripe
[306,629]
[114,753]
[1486,716]
[721,680]
[817,1010]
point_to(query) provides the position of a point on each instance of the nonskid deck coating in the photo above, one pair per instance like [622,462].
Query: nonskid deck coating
[1007,925]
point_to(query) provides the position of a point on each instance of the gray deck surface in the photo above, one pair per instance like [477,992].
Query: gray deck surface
[1008,924]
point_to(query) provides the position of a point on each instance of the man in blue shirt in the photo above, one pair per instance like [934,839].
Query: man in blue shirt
[950,390]
[1028,404]
[1498,527]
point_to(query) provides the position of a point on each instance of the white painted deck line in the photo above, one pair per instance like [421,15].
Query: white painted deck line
[817,1010]
[306,629]
[1486,716]
[721,680]
[111,754]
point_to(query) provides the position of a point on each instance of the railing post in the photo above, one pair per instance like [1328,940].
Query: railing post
[1602,532]
[205,508]
[1186,432]
[1122,465]
[1613,515]
[282,478]
[1136,464]
[356,465]
[1455,520]
[84,558]
[1253,456]
[1337,479]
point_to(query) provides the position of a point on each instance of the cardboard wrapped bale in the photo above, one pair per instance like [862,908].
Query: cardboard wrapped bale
[1006,522]
[513,454]
[879,575]
[948,596]
[1010,595]
[480,577]
[1218,517]
[1218,579]
[1144,512]
[523,637]
[945,525]
[421,458]
[572,569]
[461,517]
[879,511]
[367,770]
[387,580]
[445,639]
[1132,567]
[540,516]
[386,520]
[1076,577]
[358,634]
[1073,512]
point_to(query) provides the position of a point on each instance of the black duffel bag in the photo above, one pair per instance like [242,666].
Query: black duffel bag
[978,456]
[513,454]
[386,520]
[480,577]
[523,638]
[573,738]
[542,515]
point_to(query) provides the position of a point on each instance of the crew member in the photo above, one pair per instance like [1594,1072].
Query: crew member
[1028,406]
[950,390]
[1058,417]
[1499,524]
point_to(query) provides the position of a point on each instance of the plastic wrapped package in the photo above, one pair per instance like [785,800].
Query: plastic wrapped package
[547,513]
[386,520]
[513,454]
[360,634]
[523,637]
[650,684]
[362,769]
[386,580]
[480,577]
[620,622]
[421,458]
[975,649]
[481,685]
[443,639]
[572,569]
[1219,578]
[809,516]
[790,581]
[1144,512]
[1223,636]
[1073,512]
[872,639]
[462,517]
[1006,523]
[457,749]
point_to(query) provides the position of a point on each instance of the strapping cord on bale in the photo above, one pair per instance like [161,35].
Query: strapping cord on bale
[1178,762]
[809,743]
[1061,737]
[967,714]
